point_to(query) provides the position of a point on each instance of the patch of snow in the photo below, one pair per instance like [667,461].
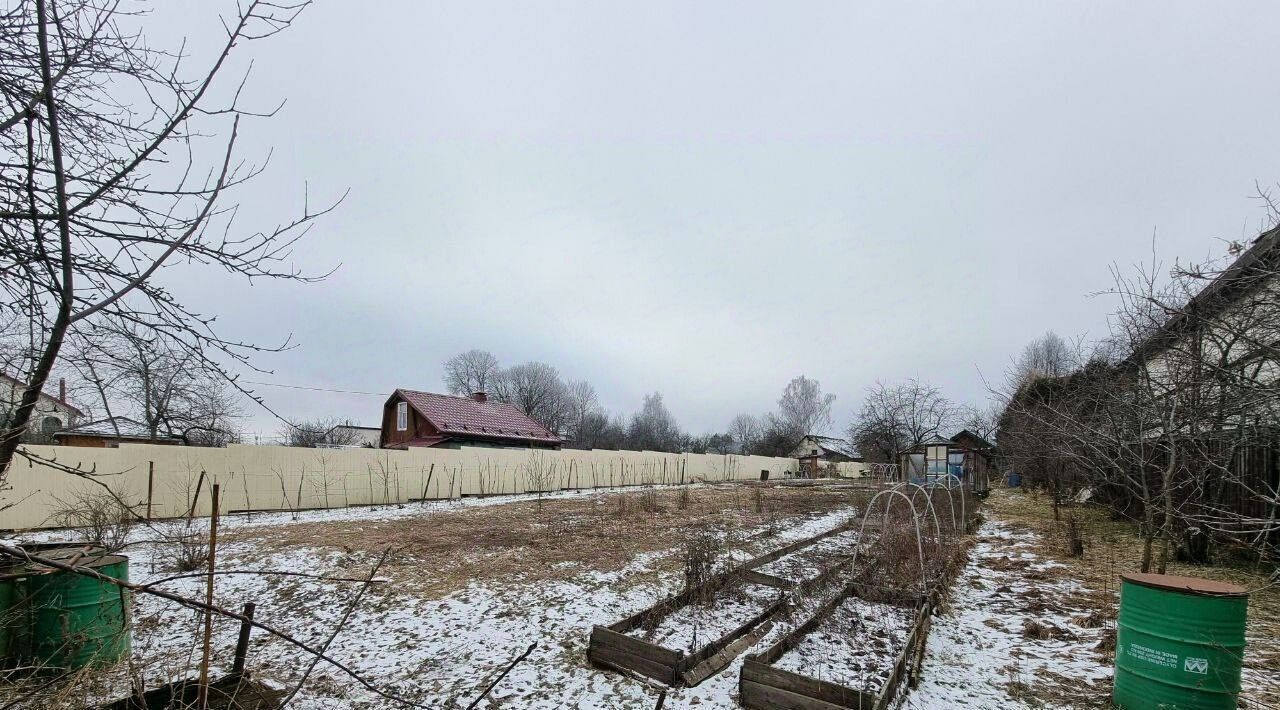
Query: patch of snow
[976,652]
[695,625]
[856,646]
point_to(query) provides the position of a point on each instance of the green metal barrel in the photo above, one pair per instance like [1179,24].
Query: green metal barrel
[1179,643]
[12,617]
[78,620]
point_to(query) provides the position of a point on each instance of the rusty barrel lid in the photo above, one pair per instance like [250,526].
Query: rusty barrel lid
[1186,585]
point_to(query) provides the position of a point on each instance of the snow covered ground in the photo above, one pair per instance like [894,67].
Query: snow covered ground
[1014,622]
[979,653]
[690,627]
[855,647]
[435,652]
[809,562]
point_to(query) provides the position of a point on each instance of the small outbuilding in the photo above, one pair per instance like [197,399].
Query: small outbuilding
[815,451]
[411,418]
[965,457]
[111,433]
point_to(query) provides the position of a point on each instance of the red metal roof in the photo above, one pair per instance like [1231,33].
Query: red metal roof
[464,416]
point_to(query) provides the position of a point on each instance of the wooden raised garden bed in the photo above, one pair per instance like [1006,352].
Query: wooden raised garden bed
[852,653]
[663,642]
[811,566]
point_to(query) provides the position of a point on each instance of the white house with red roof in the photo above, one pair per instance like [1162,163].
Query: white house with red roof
[411,418]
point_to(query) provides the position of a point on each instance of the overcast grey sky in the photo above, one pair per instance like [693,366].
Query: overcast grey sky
[709,198]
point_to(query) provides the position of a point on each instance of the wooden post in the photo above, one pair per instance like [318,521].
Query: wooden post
[427,485]
[196,498]
[202,693]
[151,484]
[242,643]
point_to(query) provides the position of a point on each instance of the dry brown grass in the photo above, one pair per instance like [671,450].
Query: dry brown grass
[1044,630]
[444,551]
[1113,547]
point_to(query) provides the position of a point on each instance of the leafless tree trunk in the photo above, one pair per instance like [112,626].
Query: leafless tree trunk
[102,194]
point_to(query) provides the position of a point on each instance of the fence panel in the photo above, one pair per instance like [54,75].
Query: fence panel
[173,481]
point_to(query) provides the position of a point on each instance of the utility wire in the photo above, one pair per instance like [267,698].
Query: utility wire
[313,389]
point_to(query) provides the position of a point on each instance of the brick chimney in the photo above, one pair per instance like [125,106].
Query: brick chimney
[62,390]
[480,396]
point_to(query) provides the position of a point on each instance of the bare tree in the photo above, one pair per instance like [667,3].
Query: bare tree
[580,405]
[653,428]
[318,432]
[1046,356]
[470,372]
[129,371]
[536,389]
[598,430]
[803,409]
[1177,433]
[896,418]
[101,193]
[745,430]
[719,444]
[983,421]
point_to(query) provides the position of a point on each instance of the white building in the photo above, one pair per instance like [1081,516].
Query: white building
[354,435]
[51,413]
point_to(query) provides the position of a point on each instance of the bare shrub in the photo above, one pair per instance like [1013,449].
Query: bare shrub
[1093,620]
[187,550]
[683,498]
[703,551]
[772,522]
[757,499]
[1075,537]
[97,517]
[648,501]
[1107,645]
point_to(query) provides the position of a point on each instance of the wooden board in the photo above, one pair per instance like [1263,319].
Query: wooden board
[757,696]
[611,648]
[719,661]
[827,694]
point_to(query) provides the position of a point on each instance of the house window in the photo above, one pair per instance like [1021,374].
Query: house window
[402,416]
[50,425]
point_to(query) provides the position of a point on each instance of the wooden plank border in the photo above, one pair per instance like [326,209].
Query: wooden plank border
[761,686]
[610,646]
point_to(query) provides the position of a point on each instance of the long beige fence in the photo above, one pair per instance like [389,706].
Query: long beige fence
[172,481]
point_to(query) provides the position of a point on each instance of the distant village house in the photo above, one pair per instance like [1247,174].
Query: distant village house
[111,433]
[51,413]
[815,452]
[411,418]
[354,435]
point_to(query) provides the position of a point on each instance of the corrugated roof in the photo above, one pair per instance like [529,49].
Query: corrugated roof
[464,416]
[1257,264]
[115,427]
[831,444]
[983,443]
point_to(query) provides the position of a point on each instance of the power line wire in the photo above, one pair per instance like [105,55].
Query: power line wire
[313,389]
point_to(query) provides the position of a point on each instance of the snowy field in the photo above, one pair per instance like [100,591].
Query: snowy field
[434,651]
[470,585]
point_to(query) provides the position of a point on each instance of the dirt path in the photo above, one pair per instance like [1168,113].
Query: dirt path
[1029,626]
